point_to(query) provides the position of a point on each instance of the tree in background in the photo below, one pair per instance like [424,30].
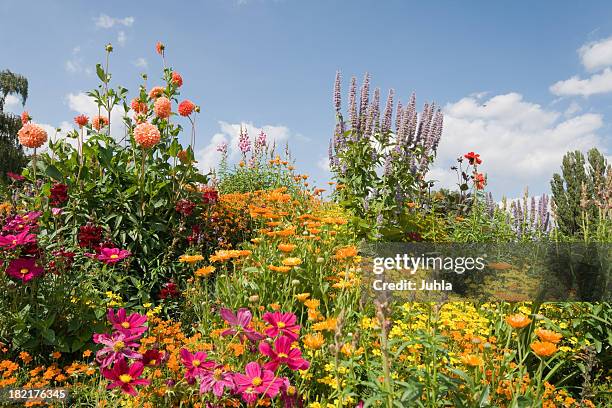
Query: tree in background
[12,157]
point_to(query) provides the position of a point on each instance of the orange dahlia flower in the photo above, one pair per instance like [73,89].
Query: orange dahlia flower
[186,107]
[81,120]
[177,79]
[25,117]
[98,122]
[156,92]
[162,107]
[543,348]
[160,47]
[139,106]
[548,335]
[31,135]
[518,321]
[146,135]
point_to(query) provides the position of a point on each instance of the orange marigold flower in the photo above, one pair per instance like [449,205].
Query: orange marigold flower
[205,271]
[177,79]
[186,107]
[302,297]
[81,120]
[162,107]
[292,261]
[313,341]
[543,348]
[156,92]
[518,321]
[56,354]
[282,269]
[286,247]
[472,360]
[312,303]
[25,357]
[190,259]
[87,353]
[548,335]
[146,135]
[32,136]
[138,106]
[329,324]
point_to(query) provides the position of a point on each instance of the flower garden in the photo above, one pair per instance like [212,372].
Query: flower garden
[132,279]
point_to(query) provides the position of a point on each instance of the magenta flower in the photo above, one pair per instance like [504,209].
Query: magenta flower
[15,176]
[116,347]
[131,326]
[289,395]
[112,255]
[13,241]
[152,357]
[240,324]
[125,377]
[282,353]
[24,269]
[20,222]
[257,381]
[217,379]
[195,364]
[282,323]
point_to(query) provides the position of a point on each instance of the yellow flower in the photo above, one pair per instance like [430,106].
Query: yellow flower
[313,341]
[292,261]
[282,269]
[205,271]
[190,259]
[301,297]
[472,360]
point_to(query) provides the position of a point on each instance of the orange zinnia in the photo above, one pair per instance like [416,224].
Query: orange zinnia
[548,335]
[518,321]
[543,348]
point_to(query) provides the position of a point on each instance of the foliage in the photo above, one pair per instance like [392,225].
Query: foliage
[12,158]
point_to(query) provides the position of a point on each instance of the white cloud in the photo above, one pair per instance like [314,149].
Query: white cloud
[81,103]
[121,38]
[520,142]
[12,103]
[208,157]
[595,84]
[75,64]
[596,55]
[324,164]
[572,109]
[141,63]
[105,21]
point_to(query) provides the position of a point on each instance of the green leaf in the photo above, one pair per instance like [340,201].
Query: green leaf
[100,72]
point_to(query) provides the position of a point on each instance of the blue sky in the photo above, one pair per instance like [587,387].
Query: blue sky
[501,71]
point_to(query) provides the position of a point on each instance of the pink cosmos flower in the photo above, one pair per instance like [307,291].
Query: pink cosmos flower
[24,269]
[195,364]
[152,357]
[116,347]
[282,323]
[125,377]
[13,241]
[15,176]
[282,353]
[131,326]
[217,379]
[112,255]
[257,381]
[240,324]
[289,395]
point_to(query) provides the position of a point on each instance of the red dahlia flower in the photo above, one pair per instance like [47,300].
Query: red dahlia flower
[473,158]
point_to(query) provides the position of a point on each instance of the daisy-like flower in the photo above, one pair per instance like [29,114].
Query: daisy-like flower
[239,323]
[162,107]
[255,382]
[112,255]
[146,135]
[24,269]
[472,360]
[125,377]
[98,122]
[32,135]
[283,353]
[548,335]
[543,348]
[190,259]
[195,364]
[132,325]
[292,261]
[116,347]
[518,321]
[216,380]
[286,247]
[281,324]
[186,108]
[13,241]
[81,120]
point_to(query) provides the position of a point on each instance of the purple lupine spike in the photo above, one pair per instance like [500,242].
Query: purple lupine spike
[439,129]
[353,104]
[423,123]
[337,92]
[375,110]
[387,166]
[398,117]
[244,143]
[413,119]
[364,101]
[388,114]
[408,112]
[532,212]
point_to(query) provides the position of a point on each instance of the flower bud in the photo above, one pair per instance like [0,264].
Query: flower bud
[109,47]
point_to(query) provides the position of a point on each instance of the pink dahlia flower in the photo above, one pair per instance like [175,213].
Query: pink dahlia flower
[24,269]
[146,135]
[162,107]
[112,255]
[125,377]
[156,92]
[98,122]
[32,135]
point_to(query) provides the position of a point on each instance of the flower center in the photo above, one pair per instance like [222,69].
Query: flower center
[114,256]
[281,325]
[217,374]
[291,391]
[195,363]
[125,378]
[153,362]
[118,345]
[14,242]
[257,381]
[24,271]
[125,325]
[282,355]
